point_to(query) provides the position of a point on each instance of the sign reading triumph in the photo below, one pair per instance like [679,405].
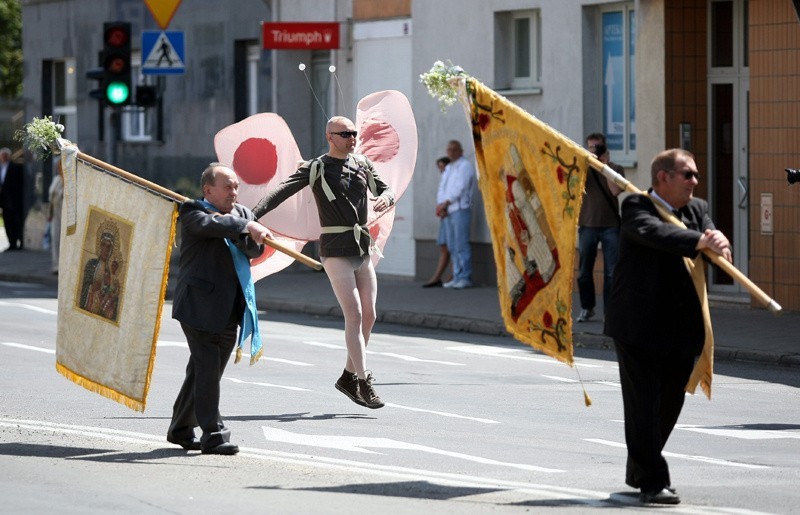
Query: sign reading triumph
[300,36]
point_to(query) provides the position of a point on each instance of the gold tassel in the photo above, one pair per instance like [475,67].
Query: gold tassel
[238,357]
[586,399]
[257,356]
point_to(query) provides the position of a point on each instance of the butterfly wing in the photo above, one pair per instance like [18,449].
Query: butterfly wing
[263,152]
[388,137]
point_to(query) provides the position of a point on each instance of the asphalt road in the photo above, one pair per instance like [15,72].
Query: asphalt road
[473,424]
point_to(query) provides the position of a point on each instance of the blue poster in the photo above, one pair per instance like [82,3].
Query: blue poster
[614,80]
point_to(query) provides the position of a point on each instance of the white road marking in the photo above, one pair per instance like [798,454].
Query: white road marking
[361,443]
[592,498]
[325,345]
[28,347]
[28,306]
[561,379]
[268,385]
[404,357]
[443,414]
[704,459]
[495,352]
[171,343]
[743,434]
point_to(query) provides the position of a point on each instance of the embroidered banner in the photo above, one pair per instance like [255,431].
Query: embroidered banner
[531,178]
[114,261]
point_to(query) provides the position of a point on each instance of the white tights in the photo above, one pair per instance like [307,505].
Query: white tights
[356,288]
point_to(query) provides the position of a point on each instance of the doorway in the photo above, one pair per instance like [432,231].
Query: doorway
[728,141]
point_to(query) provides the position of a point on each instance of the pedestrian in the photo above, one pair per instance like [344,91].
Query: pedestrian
[218,238]
[339,181]
[444,255]
[12,199]
[56,197]
[454,205]
[655,315]
[598,223]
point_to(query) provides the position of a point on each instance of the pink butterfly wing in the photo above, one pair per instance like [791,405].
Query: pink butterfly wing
[388,137]
[263,152]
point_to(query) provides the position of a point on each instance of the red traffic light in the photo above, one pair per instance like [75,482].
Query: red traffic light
[117,35]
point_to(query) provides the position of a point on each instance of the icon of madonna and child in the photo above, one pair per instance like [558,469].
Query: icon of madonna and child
[103,278]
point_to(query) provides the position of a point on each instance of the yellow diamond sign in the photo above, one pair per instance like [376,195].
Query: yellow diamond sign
[163,10]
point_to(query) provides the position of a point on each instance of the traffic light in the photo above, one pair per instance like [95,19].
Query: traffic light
[98,74]
[116,62]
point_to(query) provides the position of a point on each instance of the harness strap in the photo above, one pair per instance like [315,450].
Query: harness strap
[357,231]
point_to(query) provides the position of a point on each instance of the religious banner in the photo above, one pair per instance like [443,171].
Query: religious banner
[531,178]
[114,261]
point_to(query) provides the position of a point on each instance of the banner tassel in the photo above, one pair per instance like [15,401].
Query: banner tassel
[586,399]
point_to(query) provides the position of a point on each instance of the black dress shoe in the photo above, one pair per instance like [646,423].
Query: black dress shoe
[190,444]
[664,496]
[226,449]
[433,284]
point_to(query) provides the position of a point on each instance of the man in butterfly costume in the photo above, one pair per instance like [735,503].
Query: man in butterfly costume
[348,206]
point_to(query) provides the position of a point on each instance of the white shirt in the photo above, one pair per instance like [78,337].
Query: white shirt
[457,185]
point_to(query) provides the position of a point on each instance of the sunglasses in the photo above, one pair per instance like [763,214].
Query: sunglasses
[346,134]
[688,174]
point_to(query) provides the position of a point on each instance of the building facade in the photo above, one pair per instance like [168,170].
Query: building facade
[715,76]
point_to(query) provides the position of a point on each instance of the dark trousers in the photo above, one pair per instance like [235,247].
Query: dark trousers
[12,219]
[652,397]
[198,401]
[588,239]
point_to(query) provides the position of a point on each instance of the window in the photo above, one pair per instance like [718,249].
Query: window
[64,83]
[138,123]
[617,75]
[518,50]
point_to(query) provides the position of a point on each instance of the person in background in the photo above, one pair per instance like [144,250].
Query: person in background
[454,205]
[12,199]
[56,197]
[441,240]
[598,223]
[655,315]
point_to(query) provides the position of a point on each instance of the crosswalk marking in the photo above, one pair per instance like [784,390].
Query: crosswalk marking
[704,459]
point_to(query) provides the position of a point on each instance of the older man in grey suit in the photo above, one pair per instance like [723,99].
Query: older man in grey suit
[210,304]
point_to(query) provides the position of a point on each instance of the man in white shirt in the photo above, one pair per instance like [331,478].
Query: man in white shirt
[454,205]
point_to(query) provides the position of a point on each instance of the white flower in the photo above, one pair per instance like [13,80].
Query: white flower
[441,81]
[39,136]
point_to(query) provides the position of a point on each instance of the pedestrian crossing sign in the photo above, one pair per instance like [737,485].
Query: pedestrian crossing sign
[162,52]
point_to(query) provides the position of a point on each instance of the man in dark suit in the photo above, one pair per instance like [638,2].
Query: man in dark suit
[12,198]
[655,316]
[209,303]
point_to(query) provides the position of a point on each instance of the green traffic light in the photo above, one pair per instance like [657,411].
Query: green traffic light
[117,93]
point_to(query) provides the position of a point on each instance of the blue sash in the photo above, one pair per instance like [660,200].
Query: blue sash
[249,322]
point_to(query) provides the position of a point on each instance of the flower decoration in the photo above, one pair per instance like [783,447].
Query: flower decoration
[441,81]
[39,136]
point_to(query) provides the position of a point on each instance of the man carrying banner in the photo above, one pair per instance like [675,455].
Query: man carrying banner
[655,315]
[218,239]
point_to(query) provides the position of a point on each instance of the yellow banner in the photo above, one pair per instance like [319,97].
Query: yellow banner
[114,263]
[531,178]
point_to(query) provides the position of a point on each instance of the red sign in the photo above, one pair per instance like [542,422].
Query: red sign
[300,36]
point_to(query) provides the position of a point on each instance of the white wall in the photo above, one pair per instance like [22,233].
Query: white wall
[382,60]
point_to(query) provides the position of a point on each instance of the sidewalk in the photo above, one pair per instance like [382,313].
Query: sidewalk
[740,333]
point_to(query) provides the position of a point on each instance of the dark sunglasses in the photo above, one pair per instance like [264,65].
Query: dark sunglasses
[346,134]
[688,174]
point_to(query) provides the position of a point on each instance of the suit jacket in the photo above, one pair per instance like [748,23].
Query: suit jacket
[12,190]
[653,304]
[208,287]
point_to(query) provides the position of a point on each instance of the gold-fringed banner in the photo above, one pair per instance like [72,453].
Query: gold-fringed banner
[114,264]
[531,178]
